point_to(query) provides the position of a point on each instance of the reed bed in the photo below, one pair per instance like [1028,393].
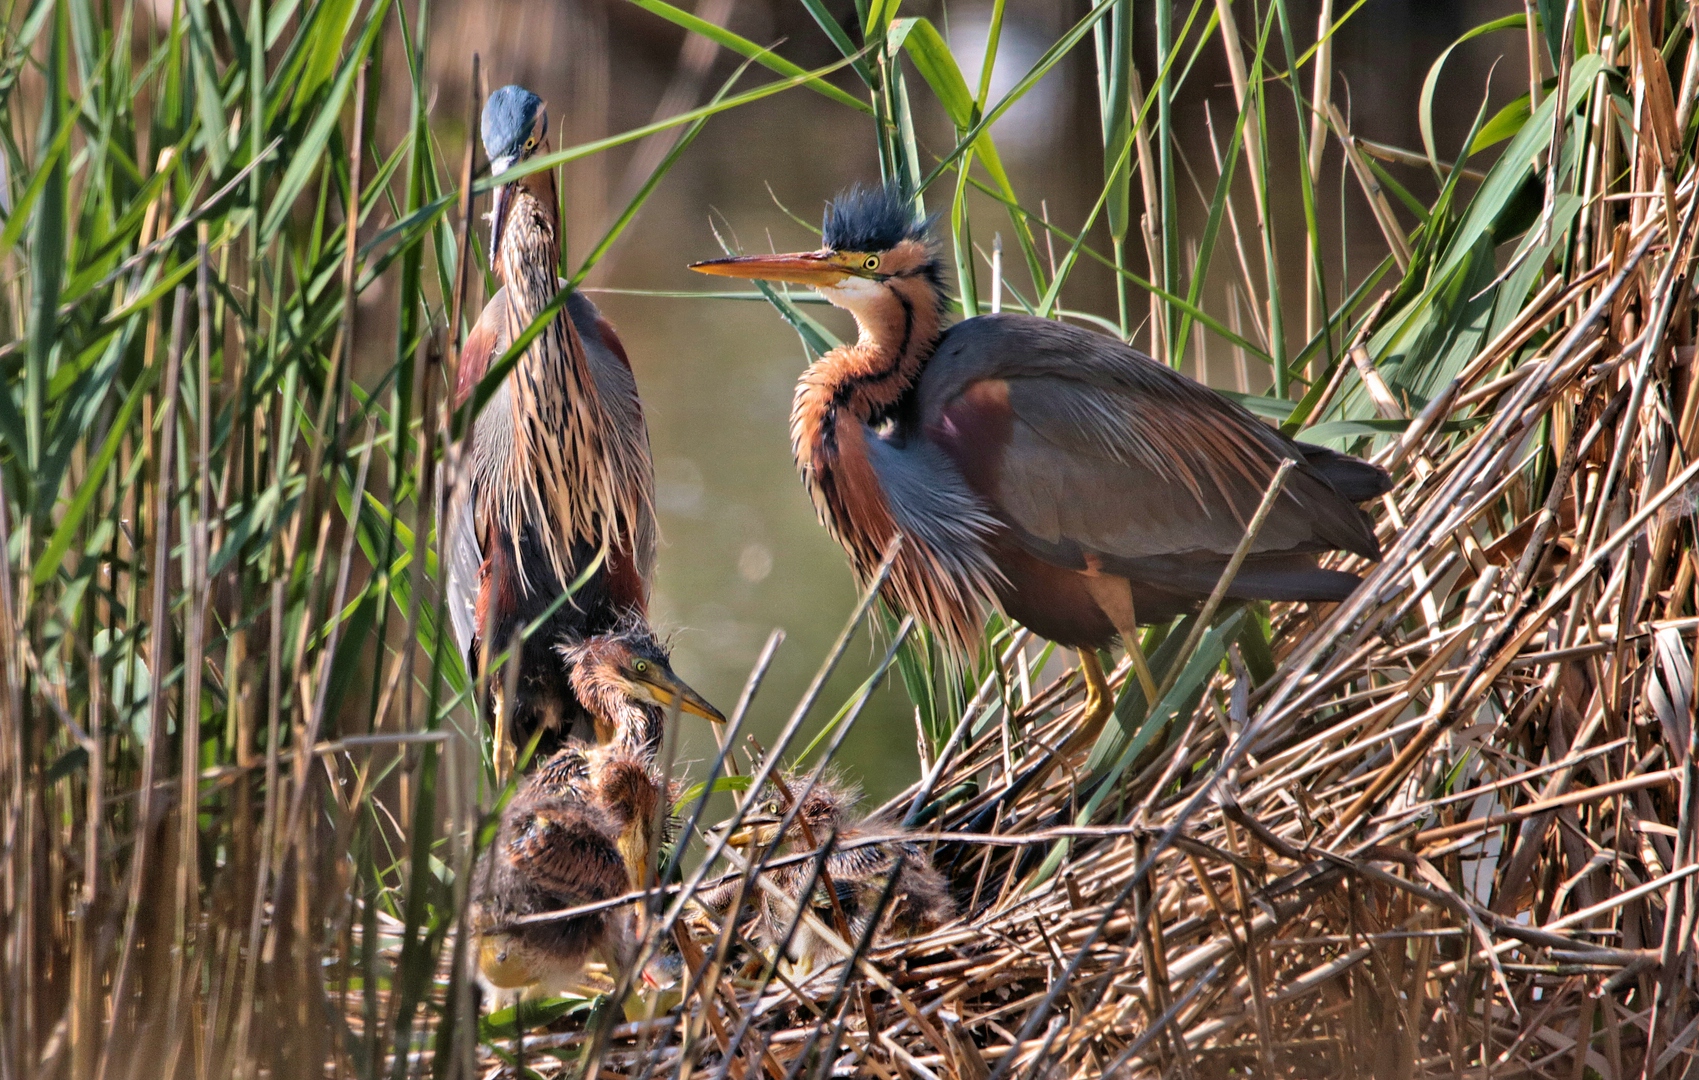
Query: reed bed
[1443,829]
[1453,834]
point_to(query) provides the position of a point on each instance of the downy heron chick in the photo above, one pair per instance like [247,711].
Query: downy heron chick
[859,872]
[579,831]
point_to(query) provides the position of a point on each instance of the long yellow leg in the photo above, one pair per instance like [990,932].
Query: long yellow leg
[1099,705]
[1115,596]
[1135,653]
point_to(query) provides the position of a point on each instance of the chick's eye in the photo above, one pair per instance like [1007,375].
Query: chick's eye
[872,262]
[642,666]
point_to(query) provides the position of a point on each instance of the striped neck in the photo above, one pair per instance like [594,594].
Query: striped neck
[562,468]
[899,321]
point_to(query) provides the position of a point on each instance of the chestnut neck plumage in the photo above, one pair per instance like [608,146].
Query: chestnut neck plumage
[900,319]
[898,329]
[635,726]
[574,470]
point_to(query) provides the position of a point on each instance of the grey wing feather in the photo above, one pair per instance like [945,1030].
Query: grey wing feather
[464,560]
[1110,451]
[930,501]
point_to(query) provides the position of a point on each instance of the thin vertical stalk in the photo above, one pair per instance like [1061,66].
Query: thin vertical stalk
[14,767]
[1306,186]
[1248,95]
[463,249]
[1165,213]
[1321,93]
[159,637]
[1114,38]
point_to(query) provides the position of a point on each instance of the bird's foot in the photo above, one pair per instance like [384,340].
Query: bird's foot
[797,970]
[1099,705]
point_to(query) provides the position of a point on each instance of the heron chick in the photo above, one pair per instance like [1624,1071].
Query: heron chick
[859,870]
[625,685]
[578,832]
[584,825]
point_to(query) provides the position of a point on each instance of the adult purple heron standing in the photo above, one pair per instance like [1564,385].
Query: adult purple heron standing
[559,465]
[1055,472]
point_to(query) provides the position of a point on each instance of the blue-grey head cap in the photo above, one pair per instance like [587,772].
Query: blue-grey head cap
[512,116]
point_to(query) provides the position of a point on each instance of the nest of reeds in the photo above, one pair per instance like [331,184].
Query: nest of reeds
[1451,831]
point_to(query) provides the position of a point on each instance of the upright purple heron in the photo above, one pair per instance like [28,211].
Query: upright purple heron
[559,457]
[1057,473]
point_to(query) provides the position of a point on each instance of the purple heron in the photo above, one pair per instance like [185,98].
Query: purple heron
[1048,470]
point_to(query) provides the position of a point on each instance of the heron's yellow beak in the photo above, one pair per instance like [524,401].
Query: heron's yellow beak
[667,688]
[756,832]
[501,199]
[815,268]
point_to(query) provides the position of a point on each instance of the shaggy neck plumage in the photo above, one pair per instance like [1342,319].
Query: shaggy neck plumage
[899,327]
[634,726]
[898,330]
[558,416]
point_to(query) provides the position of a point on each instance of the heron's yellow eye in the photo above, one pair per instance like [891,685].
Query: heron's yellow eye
[641,666]
[872,262]
[531,143]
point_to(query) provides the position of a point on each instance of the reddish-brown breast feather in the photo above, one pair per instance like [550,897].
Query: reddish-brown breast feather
[605,331]
[861,510]
[475,355]
[974,430]
[498,584]
[625,584]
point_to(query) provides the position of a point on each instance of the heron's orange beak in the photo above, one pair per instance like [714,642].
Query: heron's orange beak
[815,268]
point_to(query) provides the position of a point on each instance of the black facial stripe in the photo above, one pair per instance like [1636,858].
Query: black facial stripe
[908,324]
[848,387]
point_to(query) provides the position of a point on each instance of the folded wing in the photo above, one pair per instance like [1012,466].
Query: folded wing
[1093,453]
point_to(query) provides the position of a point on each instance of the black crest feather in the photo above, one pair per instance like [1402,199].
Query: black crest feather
[872,219]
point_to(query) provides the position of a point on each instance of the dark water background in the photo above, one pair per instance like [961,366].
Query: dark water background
[742,550]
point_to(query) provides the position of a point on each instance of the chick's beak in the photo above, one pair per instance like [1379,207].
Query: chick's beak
[800,268]
[756,831]
[668,688]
